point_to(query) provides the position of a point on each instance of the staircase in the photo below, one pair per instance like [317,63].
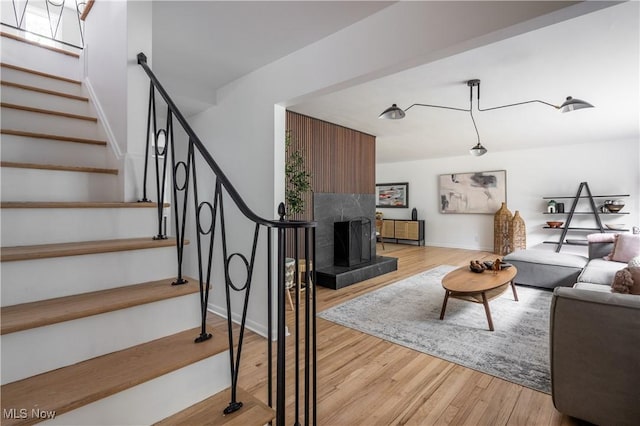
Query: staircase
[92,329]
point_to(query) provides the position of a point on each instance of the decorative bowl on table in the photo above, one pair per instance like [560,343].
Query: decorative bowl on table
[615,226]
[554,224]
[614,206]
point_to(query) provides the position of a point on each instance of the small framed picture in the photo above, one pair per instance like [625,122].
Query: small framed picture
[392,195]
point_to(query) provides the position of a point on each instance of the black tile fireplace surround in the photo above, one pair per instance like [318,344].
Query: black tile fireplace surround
[351,242]
[358,211]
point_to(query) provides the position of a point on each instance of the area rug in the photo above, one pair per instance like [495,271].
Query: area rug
[408,313]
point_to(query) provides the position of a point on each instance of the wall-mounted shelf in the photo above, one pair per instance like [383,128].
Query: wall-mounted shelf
[585,229]
[594,211]
[587,196]
[576,242]
[600,213]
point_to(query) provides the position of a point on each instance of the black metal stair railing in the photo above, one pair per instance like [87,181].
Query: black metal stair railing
[43,19]
[212,239]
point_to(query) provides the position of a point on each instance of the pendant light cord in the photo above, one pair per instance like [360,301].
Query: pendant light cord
[471,109]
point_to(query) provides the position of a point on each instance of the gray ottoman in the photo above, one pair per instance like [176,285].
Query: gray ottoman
[546,269]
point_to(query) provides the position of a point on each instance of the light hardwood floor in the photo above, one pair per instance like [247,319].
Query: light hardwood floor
[364,380]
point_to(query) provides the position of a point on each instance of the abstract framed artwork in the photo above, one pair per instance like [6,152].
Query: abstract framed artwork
[476,192]
[390,195]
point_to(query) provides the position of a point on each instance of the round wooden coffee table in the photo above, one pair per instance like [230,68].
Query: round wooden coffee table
[478,288]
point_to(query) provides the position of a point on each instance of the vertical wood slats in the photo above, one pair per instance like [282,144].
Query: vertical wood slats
[340,160]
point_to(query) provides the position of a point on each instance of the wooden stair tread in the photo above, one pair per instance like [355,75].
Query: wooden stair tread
[210,412]
[35,43]
[77,205]
[52,137]
[45,91]
[47,111]
[43,251]
[68,388]
[26,316]
[57,167]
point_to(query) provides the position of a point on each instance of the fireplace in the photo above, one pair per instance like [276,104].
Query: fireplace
[352,242]
[346,220]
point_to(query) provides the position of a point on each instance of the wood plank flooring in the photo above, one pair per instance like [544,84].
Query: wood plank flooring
[363,380]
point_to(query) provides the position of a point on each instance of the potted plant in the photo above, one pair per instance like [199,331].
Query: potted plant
[297,179]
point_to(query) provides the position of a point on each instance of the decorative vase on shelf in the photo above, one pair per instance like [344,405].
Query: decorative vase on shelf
[501,221]
[414,214]
[517,233]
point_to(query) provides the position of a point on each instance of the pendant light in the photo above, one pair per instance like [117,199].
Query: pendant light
[395,113]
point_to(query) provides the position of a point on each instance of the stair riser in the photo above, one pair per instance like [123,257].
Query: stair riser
[21,77]
[28,56]
[44,123]
[35,150]
[156,399]
[33,280]
[51,185]
[48,226]
[35,351]
[14,95]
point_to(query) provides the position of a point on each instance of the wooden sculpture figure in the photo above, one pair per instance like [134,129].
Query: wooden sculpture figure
[496,265]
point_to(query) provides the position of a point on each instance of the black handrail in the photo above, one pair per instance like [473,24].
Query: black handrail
[237,199]
[205,252]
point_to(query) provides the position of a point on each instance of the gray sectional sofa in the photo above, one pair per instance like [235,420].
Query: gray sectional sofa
[546,269]
[594,355]
[594,334]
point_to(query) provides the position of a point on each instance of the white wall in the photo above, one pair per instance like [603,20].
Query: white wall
[106,63]
[608,167]
[115,32]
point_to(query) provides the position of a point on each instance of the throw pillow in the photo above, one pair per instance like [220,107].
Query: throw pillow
[601,238]
[627,247]
[622,282]
[635,276]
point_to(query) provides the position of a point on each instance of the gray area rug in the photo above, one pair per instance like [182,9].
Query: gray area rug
[408,313]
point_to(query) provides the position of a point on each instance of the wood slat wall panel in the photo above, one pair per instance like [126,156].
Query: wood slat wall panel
[340,160]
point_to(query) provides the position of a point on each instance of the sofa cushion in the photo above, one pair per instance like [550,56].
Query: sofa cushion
[627,246]
[547,258]
[593,287]
[540,268]
[600,271]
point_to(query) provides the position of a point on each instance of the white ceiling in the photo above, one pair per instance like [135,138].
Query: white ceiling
[228,39]
[594,57]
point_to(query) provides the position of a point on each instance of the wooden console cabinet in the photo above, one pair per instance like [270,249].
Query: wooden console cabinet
[403,231]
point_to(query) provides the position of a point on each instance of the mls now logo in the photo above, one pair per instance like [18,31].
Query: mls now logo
[23,413]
